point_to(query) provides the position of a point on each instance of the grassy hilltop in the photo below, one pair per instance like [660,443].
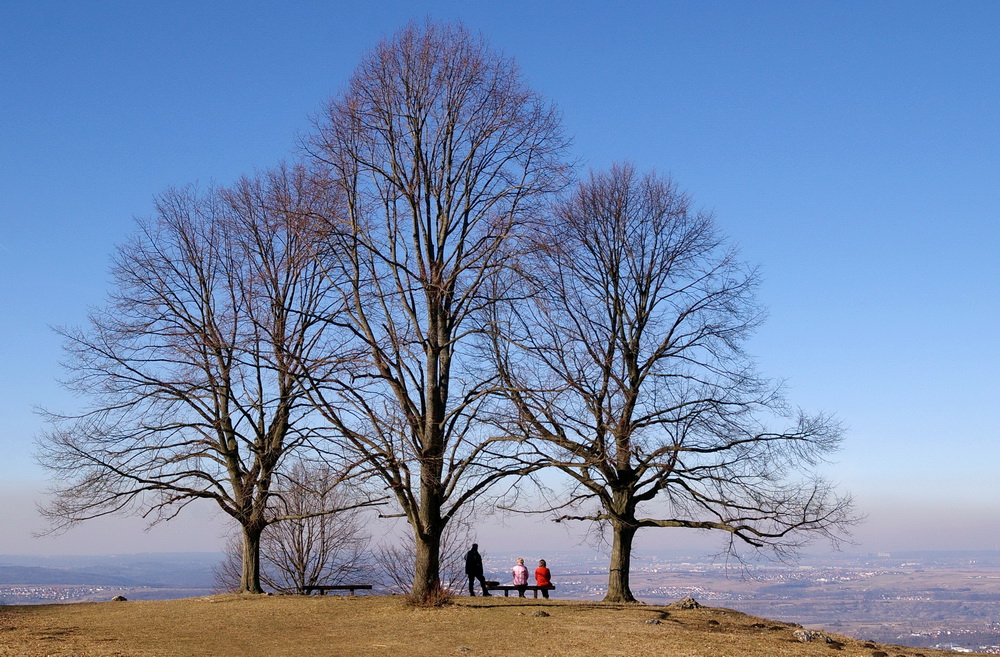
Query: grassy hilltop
[280,626]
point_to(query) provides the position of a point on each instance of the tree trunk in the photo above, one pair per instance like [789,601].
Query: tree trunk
[621,563]
[427,567]
[250,575]
[428,531]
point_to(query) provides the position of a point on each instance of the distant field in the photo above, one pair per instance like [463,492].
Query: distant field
[279,626]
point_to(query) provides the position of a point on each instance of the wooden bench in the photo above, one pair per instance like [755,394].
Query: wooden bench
[507,588]
[322,589]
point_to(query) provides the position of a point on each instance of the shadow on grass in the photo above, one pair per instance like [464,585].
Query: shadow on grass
[572,605]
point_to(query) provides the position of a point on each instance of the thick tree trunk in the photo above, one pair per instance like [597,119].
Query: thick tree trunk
[621,563]
[427,567]
[250,575]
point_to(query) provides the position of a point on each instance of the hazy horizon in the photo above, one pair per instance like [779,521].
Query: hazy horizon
[201,531]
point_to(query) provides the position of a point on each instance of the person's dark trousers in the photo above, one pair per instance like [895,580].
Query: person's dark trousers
[482,583]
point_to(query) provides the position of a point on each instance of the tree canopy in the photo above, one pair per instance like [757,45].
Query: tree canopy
[193,370]
[443,155]
[626,366]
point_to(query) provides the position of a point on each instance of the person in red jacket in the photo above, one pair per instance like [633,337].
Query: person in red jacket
[543,577]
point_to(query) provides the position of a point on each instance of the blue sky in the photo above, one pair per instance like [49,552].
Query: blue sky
[851,149]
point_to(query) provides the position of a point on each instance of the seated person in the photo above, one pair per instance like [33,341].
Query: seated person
[543,577]
[520,573]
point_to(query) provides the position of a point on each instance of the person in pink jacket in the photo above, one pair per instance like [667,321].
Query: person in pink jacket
[520,577]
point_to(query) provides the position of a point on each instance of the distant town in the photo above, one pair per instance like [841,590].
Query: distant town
[16,595]
[944,600]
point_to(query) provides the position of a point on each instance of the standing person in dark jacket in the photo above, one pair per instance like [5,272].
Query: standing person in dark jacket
[474,569]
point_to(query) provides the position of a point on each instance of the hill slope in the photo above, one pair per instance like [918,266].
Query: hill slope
[279,626]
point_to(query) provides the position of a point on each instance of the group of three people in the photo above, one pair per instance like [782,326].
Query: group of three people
[474,569]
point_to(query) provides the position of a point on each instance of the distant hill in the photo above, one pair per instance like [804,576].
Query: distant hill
[153,570]
[34,576]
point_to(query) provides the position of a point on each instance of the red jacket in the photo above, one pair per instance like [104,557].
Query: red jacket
[542,576]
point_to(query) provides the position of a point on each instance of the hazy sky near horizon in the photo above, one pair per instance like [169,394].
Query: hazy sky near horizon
[851,149]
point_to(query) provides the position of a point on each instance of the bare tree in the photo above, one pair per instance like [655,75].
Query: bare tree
[628,372]
[192,371]
[322,539]
[442,154]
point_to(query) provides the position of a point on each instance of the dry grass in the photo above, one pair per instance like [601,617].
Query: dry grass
[251,626]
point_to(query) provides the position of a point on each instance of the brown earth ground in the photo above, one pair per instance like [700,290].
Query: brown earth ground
[279,626]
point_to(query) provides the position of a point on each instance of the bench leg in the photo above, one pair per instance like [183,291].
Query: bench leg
[506,593]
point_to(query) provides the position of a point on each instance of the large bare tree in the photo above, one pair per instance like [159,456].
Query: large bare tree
[192,372]
[628,372]
[442,154]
